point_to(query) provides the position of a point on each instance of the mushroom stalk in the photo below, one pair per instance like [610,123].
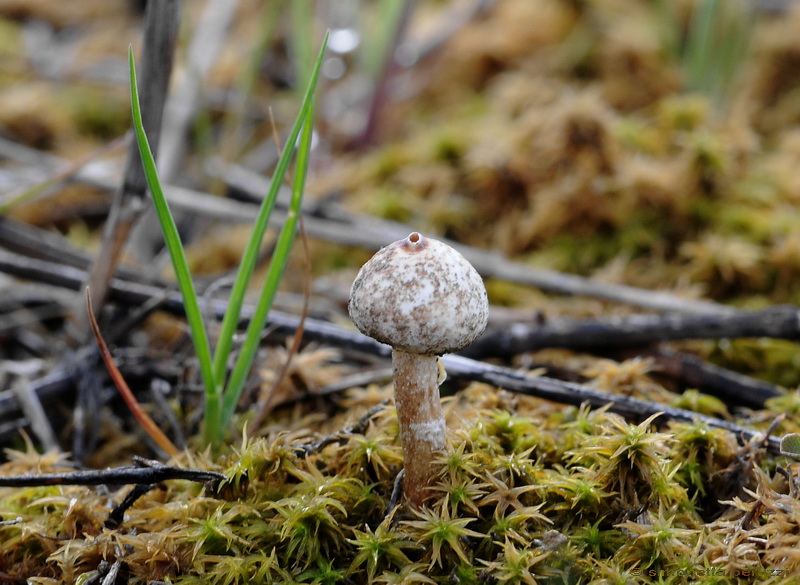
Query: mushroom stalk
[421,418]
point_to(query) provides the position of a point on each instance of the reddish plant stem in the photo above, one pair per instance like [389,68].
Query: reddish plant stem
[147,423]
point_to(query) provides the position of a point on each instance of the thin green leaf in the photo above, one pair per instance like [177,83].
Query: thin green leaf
[302,19]
[181,267]
[699,47]
[231,319]
[276,269]
[716,45]
[27,195]
[375,54]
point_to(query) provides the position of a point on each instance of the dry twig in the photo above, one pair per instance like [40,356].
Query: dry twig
[779,322]
[160,35]
[145,472]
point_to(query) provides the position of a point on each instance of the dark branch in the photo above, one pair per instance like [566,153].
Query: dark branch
[780,322]
[117,475]
[732,387]
[576,394]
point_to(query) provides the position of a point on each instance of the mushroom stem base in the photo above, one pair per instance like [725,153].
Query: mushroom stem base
[421,418]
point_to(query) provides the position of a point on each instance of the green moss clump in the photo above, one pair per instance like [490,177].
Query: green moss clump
[98,113]
[569,498]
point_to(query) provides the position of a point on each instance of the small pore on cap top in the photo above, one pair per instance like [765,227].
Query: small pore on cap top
[414,242]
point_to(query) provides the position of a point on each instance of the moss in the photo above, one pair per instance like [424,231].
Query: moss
[507,294]
[702,403]
[639,135]
[584,254]
[683,113]
[391,204]
[97,112]
[11,39]
[520,498]
[773,360]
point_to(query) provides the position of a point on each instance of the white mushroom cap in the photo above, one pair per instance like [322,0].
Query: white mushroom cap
[420,296]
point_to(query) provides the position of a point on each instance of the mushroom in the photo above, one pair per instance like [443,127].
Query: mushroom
[424,299]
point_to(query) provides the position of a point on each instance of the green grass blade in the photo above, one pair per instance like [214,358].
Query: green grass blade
[181,267]
[276,269]
[716,46]
[699,45]
[375,52]
[302,20]
[231,319]
[27,195]
[732,48]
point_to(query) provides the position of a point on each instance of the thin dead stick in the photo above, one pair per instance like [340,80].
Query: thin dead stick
[44,389]
[779,322]
[382,85]
[160,35]
[732,387]
[32,193]
[149,472]
[341,436]
[206,43]
[113,573]
[31,404]
[275,138]
[332,222]
[34,242]
[449,22]
[148,424]
[181,109]
[782,321]
[161,29]
[619,332]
